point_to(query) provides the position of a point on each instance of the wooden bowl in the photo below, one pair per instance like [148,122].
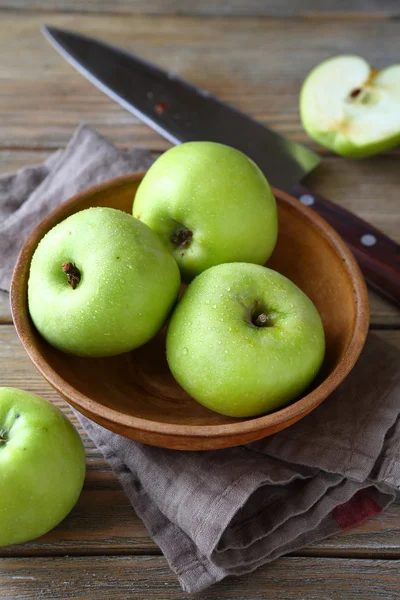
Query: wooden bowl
[135,395]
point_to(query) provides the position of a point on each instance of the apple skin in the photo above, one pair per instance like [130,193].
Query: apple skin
[358,128]
[219,195]
[129,284]
[230,365]
[42,466]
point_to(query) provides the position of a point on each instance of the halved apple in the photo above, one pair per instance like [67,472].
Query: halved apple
[350,108]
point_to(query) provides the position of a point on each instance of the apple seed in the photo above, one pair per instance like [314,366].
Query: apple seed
[74,275]
[355,93]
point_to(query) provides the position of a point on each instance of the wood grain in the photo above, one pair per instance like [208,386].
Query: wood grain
[103,521]
[256,64]
[368,188]
[139,577]
[5,313]
[383,313]
[14,160]
[260,8]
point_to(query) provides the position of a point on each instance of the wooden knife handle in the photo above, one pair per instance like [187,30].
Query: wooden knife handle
[377,254]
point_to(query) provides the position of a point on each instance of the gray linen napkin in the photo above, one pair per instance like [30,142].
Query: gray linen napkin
[226,512]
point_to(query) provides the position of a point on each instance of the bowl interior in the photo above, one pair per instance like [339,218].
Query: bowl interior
[139,386]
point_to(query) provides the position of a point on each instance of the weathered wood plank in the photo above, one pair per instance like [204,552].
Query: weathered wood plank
[142,577]
[377,537]
[5,312]
[103,521]
[368,188]
[259,8]
[13,160]
[256,64]
[383,313]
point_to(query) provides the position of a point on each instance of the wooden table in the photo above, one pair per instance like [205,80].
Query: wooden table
[255,55]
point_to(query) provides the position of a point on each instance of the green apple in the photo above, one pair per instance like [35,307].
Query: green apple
[350,108]
[101,283]
[244,340]
[42,466]
[209,204]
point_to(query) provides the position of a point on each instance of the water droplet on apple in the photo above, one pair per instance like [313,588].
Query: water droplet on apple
[214,306]
[230,328]
[219,343]
[207,302]
[185,351]
[226,351]
[228,289]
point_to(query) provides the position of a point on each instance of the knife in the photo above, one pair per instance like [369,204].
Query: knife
[181,112]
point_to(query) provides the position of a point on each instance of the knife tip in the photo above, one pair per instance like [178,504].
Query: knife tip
[49,30]
[46,29]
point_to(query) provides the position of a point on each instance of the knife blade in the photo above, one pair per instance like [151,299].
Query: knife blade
[182,112]
[179,111]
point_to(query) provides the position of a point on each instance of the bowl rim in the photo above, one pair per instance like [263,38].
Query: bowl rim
[84,404]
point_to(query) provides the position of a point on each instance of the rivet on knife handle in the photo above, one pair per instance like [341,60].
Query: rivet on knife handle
[377,254]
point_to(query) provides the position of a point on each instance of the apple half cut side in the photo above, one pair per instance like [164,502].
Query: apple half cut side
[350,108]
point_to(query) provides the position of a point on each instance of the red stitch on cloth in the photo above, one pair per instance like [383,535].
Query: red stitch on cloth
[359,508]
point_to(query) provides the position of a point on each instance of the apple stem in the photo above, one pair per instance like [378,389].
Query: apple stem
[261,320]
[74,274]
[2,436]
[181,237]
